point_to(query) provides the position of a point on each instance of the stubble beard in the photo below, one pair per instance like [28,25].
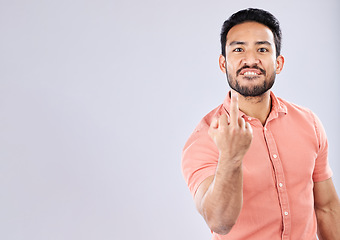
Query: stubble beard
[251,91]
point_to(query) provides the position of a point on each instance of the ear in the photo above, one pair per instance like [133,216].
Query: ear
[222,63]
[280,60]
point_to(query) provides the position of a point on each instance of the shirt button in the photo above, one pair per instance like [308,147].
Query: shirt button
[274,156]
[265,129]
[280,185]
[249,119]
[286,213]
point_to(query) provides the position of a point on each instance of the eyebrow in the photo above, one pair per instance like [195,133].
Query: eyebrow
[263,43]
[237,43]
[244,43]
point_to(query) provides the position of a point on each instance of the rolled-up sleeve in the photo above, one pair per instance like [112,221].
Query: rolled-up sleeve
[322,170]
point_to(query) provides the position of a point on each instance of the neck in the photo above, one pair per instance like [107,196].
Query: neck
[257,107]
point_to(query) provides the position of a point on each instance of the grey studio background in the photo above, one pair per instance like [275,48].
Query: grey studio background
[97,99]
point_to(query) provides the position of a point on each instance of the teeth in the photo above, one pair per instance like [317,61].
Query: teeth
[250,73]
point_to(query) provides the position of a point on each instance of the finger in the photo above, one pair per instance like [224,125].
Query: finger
[234,109]
[248,126]
[241,123]
[223,121]
[214,123]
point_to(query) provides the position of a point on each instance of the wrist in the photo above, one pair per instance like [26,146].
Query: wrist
[230,161]
[231,157]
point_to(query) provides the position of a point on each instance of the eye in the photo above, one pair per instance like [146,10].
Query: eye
[238,50]
[262,50]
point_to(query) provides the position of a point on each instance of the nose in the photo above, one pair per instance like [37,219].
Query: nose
[250,58]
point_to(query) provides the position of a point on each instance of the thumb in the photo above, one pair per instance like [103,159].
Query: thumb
[214,123]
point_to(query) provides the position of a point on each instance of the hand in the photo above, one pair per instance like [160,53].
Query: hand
[232,139]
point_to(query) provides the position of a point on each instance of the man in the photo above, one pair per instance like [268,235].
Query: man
[257,165]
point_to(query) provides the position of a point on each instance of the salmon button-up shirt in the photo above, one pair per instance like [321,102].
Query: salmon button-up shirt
[287,155]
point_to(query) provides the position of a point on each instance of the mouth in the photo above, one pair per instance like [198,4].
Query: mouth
[250,72]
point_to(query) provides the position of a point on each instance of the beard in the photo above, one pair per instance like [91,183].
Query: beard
[252,90]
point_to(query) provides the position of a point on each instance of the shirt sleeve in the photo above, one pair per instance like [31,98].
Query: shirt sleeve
[199,157]
[322,170]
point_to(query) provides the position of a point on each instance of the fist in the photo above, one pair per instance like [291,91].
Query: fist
[232,135]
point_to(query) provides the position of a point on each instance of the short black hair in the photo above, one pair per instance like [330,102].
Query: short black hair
[252,15]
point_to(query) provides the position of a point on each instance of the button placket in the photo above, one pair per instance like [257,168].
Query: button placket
[280,182]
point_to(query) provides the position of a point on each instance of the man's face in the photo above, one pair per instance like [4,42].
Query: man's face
[251,64]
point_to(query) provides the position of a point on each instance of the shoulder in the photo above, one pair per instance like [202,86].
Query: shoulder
[201,130]
[297,111]
[200,154]
[302,116]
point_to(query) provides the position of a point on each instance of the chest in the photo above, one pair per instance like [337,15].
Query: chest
[283,151]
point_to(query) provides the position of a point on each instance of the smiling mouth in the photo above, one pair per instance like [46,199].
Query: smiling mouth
[251,72]
[251,75]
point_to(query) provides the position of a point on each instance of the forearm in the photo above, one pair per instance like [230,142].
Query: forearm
[329,222]
[222,202]
[220,199]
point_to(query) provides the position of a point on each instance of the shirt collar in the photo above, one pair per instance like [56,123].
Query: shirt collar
[278,107]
